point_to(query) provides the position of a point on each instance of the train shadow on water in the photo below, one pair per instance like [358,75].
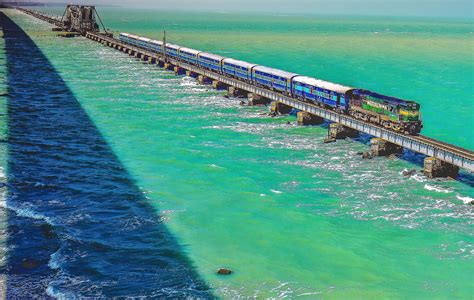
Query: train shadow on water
[77,223]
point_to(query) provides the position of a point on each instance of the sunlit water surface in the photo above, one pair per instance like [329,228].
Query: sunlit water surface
[290,216]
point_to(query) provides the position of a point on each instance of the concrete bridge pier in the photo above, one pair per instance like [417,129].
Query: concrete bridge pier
[338,131]
[204,80]
[191,74]
[381,147]
[232,91]
[280,108]
[218,85]
[168,66]
[255,99]
[160,63]
[305,118]
[178,70]
[151,60]
[434,168]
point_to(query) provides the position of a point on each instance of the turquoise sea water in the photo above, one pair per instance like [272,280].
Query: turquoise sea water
[290,215]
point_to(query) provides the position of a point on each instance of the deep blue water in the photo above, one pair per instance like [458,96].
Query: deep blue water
[92,231]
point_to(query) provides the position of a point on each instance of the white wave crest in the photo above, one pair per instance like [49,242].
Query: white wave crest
[437,189]
[465,199]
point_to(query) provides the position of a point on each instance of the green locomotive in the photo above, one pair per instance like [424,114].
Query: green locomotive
[390,112]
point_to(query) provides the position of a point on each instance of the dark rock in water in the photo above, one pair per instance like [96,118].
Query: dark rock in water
[288,123]
[29,264]
[367,155]
[409,172]
[48,231]
[360,153]
[226,96]
[224,271]
[329,140]
[472,202]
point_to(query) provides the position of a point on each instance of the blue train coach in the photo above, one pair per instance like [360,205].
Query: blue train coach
[172,50]
[210,61]
[237,68]
[156,46]
[273,79]
[129,38]
[188,55]
[321,92]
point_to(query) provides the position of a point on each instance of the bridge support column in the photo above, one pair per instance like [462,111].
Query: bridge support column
[178,70]
[381,147]
[191,74]
[168,66]
[232,91]
[255,99]
[218,85]
[160,64]
[151,60]
[305,118]
[434,168]
[280,108]
[204,79]
[338,131]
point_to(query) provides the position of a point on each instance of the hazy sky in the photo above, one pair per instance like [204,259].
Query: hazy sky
[447,8]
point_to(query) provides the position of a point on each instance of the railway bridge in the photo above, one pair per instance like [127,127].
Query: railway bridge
[442,159]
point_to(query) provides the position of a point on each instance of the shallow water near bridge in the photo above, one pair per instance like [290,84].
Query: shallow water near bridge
[290,216]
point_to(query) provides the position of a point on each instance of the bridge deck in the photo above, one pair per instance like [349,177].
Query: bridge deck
[457,156]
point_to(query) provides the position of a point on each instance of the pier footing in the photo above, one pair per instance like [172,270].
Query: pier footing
[191,74]
[305,118]
[179,70]
[204,80]
[255,99]
[434,168]
[168,66]
[381,147]
[280,108]
[235,92]
[338,131]
[218,85]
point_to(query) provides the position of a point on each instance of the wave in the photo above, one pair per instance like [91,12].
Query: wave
[26,212]
[437,189]
[465,199]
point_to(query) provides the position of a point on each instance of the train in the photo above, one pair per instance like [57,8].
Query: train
[402,116]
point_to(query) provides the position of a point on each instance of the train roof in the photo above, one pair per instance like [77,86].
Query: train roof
[210,55]
[277,72]
[156,42]
[391,99]
[323,84]
[144,39]
[130,35]
[172,46]
[239,63]
[189,50]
